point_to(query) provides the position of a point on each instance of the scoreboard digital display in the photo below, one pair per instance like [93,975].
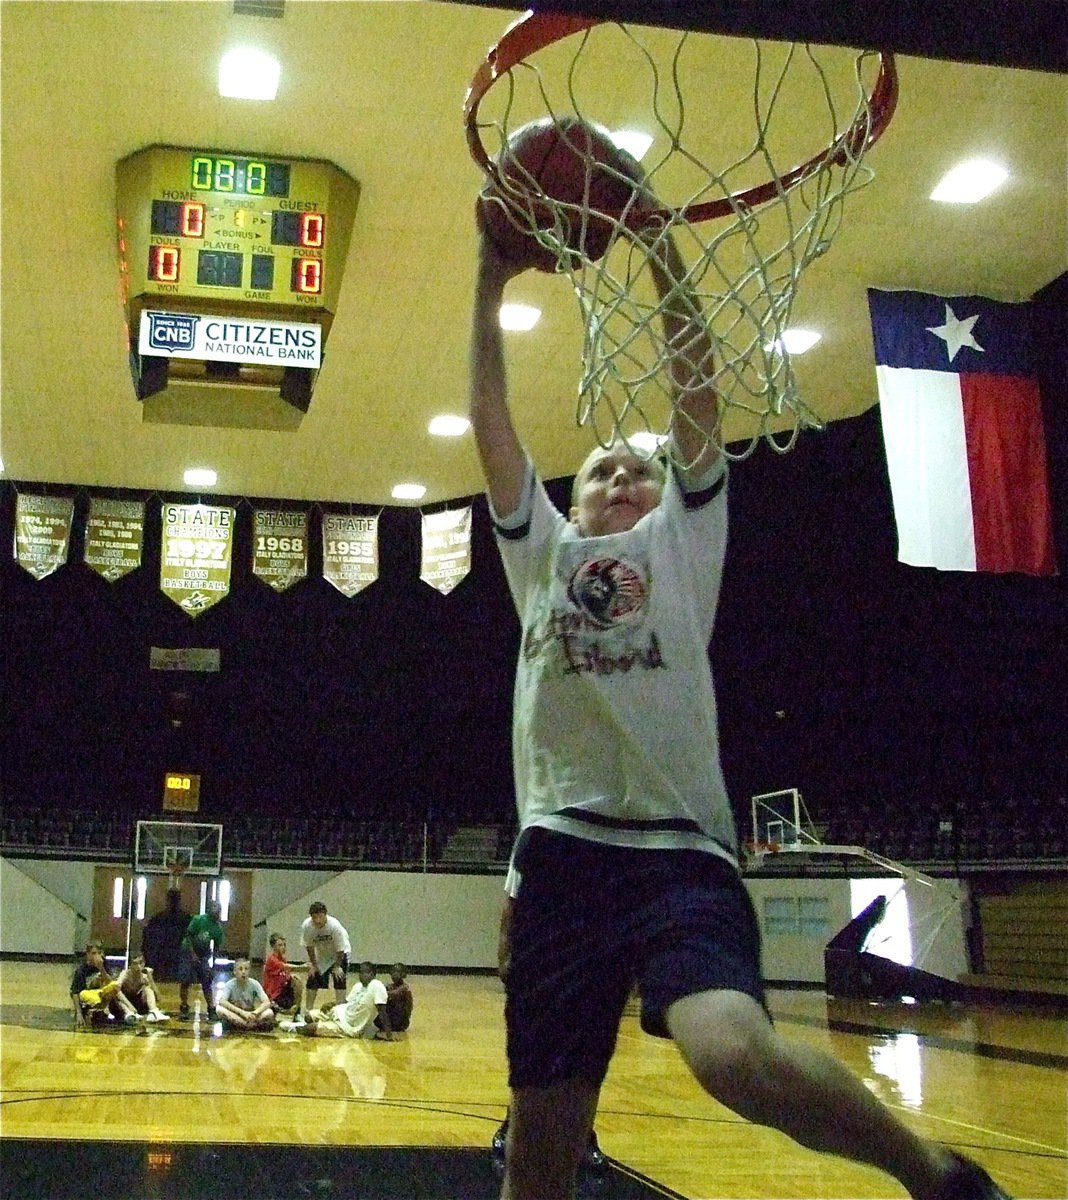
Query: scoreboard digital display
[181,792]
[262,230]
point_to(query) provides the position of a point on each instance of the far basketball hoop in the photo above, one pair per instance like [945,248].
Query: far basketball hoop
[177,848]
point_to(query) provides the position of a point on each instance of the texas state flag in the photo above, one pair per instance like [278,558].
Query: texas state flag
[962,421]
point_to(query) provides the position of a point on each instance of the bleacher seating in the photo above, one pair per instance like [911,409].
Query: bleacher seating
[1012,831]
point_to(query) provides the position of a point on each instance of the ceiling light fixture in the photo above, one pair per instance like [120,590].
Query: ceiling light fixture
[519,317]
[634,142]
[795,341]
[969,182]
[247,74]
[447,425]
[200,477]
[409,491]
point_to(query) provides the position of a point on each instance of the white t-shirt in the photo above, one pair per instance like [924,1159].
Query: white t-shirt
[356,1016]
[247,994]
[329,942]
[615,733]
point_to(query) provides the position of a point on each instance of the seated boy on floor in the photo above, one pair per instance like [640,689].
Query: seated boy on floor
[95,996]
[244,1004]
[138,985]
[284,988]
[365,1013]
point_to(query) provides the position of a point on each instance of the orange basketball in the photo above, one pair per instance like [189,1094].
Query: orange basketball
[561,173]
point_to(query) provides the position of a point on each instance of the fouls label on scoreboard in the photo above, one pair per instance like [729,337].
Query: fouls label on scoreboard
[230,339]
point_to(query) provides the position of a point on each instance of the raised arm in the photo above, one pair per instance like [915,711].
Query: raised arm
[695,427]
[499,449]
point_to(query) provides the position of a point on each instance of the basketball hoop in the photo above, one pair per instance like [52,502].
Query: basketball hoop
[756,852]
[747,230]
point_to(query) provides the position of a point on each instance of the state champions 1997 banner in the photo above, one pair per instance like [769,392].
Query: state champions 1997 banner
[197,548]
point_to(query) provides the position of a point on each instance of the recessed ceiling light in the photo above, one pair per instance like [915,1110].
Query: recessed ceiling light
[200,477]
[970,182]
[633,141]
[409,491]
[247,74]
[448,426]
[795,341]
[519,317]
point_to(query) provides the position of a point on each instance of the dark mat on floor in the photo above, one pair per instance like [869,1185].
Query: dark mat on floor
[57,1170]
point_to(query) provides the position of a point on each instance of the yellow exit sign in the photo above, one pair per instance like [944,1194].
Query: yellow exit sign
[181,792]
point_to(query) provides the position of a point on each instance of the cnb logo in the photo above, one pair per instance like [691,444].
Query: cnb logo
[171,331]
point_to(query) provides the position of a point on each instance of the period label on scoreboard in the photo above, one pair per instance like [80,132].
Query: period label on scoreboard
[250,229]
[230,339]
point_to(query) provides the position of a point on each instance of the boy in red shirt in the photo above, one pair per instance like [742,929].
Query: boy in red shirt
[284,989]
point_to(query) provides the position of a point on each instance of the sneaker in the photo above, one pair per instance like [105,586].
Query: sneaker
[160,1015]
[151,1017]
[287,1026]
[497,1144]
[298,1021]
[130,1019]
[968,1181]
[593,1160]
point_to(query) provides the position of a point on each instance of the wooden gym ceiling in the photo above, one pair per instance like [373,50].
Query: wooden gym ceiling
[377,87]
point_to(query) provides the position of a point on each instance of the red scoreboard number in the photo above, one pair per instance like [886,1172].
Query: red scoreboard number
[303,230]
[164,263]
[307,277]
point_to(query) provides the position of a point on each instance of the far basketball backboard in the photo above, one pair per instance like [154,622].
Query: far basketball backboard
[1008,33]
[162,846]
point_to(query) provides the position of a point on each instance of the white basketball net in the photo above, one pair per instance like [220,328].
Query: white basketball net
[744,267]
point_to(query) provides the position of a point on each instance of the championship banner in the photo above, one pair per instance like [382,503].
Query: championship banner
[350,552]
[114,535]
[280,547]
[197,542]
[446,548]
[42,533]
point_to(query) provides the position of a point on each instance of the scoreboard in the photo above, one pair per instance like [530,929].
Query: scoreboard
[181,792]
[235,238]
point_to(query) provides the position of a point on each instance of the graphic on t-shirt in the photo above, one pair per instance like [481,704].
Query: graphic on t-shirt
[607,591]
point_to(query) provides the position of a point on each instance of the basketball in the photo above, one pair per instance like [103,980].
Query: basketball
[554,170]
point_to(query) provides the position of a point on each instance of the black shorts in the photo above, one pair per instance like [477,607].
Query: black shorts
[137,999]
[194,969]
[334,977]
[286,998]
[591,922]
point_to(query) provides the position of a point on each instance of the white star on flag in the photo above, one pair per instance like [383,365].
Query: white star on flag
[956,333]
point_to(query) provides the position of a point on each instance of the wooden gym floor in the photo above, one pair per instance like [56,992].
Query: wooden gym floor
[417,1115]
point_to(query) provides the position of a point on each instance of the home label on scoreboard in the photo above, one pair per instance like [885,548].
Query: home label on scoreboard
[247,229]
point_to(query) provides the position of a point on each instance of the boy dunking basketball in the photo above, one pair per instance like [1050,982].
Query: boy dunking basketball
[626,860]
